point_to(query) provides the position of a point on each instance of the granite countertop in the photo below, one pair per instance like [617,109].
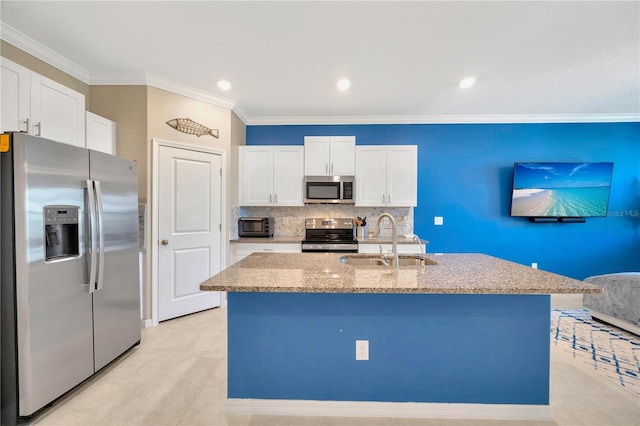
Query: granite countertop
[298,239]
[401,240]
[453,274]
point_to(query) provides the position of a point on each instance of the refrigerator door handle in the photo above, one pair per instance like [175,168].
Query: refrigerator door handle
[100,234]
[92,235]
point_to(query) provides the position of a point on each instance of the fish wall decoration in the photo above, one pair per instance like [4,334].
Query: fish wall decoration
[187,125]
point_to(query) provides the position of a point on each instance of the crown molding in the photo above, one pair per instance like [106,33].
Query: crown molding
[40,51]
[445,119]
[134,79]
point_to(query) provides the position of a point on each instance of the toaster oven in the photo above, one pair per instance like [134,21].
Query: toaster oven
[261,227]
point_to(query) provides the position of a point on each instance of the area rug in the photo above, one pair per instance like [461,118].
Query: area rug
[610,351]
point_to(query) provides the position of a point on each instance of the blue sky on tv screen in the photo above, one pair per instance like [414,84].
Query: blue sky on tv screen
[562,175]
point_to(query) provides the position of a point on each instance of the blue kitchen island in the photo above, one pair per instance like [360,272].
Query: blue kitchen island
[464,337]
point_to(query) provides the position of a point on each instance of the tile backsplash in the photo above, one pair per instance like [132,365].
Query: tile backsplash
[289,221]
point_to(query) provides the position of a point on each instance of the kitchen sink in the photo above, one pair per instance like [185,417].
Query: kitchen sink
[376,260]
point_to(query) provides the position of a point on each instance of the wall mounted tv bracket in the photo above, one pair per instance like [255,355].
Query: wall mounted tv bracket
[557,219]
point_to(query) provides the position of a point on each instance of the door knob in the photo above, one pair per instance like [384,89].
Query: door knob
[164,242]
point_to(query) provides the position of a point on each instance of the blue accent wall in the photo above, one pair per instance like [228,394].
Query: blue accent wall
[465,173]
[469,348]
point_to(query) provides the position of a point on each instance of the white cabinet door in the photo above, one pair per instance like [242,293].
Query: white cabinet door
[288,163]
[101,133]
[316,155]
[14,97]
[245,249]
[387,175]
[256,175]
[329,155]
[57,112]
[271,175]
[371,164]
[343,156]
[402,175]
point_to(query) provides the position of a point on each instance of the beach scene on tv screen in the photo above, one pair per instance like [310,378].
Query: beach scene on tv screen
[561,189]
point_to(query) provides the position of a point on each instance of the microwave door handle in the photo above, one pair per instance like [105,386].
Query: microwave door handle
[93,245]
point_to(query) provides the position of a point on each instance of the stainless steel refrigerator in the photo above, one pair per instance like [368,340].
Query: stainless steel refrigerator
[69,268]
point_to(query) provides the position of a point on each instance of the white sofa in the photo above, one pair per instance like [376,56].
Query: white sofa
[619,303]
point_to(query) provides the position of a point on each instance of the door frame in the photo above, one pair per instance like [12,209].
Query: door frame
[153,243]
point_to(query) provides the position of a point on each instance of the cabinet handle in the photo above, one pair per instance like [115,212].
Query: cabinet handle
[39,126]
[275,197]
[26,122]
[326,168]
[388,198]
[331,168]
[270,199]
[382,198]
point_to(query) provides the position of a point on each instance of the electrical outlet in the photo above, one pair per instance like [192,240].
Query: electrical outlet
[438,220]
[362,350]
[534,265]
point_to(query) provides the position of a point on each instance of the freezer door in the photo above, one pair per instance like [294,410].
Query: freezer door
[53,304]
[116,302]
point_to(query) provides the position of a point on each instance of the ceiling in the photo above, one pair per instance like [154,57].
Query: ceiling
[534,61]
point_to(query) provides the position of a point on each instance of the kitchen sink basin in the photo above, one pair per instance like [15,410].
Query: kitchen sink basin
[376,260]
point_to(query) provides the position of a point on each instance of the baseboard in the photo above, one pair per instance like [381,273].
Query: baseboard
[146,323]
[625,325]
[418,410]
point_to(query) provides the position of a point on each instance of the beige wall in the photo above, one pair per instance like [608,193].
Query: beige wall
[127,106]
[26,60]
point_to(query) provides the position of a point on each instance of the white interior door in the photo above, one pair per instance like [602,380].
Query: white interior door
[189,222]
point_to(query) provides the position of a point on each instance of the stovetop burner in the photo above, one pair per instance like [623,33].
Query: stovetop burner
[329,235]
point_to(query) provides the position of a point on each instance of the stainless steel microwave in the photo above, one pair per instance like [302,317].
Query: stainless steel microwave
[255,227]
[329,190]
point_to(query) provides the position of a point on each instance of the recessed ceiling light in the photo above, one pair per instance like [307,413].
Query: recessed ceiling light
[467,82]
[343,84]
[224,85]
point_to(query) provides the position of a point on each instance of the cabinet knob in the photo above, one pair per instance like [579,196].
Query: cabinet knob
[164,242]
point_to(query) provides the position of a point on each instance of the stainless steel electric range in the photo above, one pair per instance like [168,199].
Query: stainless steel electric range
[329,235]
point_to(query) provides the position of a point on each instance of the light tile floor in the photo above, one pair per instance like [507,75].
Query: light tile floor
[177,376]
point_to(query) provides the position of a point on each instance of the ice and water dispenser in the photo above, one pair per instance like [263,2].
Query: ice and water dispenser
[61,232]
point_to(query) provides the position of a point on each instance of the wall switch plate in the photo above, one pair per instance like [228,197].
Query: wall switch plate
[362,350]
[438,220]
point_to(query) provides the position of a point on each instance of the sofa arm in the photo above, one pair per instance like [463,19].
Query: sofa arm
[620,296]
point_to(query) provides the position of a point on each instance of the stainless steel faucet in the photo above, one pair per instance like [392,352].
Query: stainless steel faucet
[394,235]
[422,250]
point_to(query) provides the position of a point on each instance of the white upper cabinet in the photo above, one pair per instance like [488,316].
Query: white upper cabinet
[40,106]
[15,97]
[101,133]
[57,112]
[271,175]
[329,155]
[387,175]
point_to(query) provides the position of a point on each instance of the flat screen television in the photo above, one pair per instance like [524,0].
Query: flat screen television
[561,190]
